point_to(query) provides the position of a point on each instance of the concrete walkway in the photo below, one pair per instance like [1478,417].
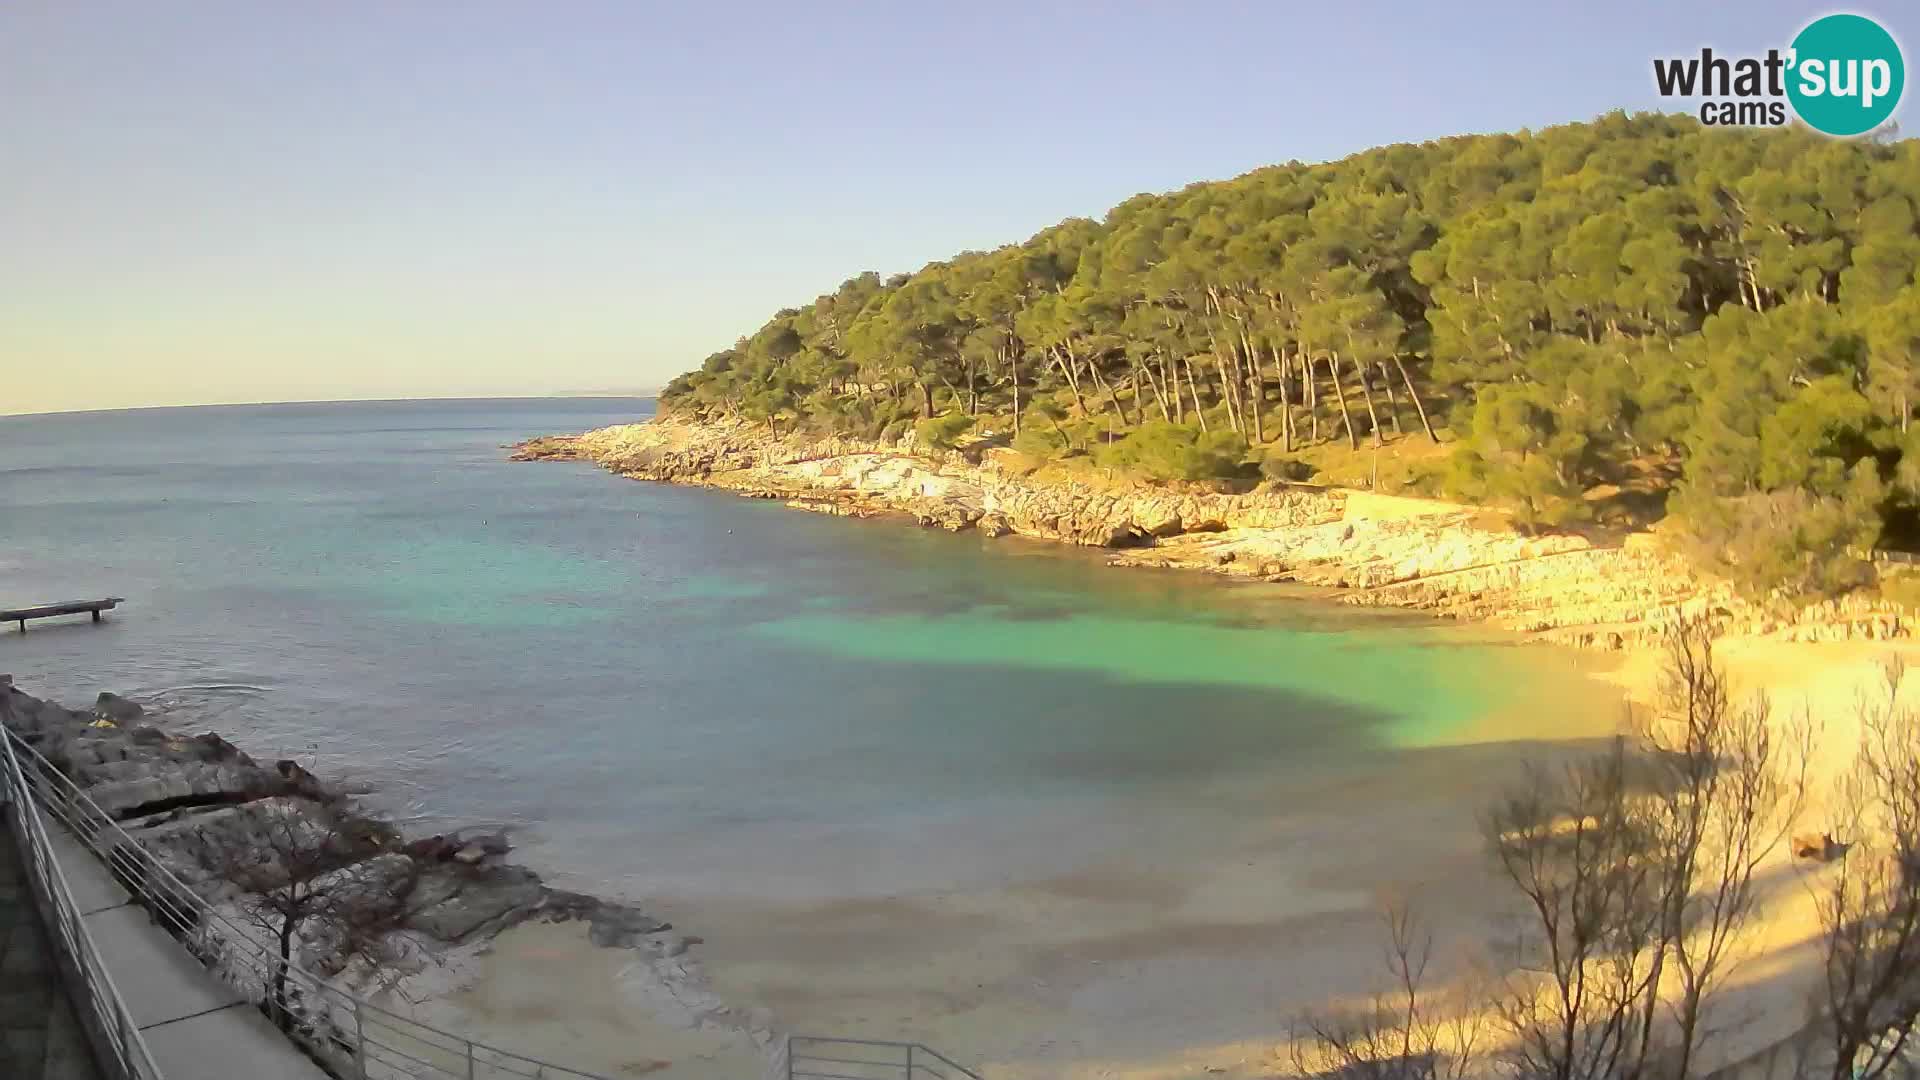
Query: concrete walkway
[40,1038]
[195,1025]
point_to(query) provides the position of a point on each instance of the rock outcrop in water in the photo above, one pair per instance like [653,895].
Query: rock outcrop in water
[1451,560]
[163,788]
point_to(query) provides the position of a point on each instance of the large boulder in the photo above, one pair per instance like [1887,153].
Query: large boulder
[609,924]
[1111,534]
[1157,518]
[116,710]
[492,896]
[612,926]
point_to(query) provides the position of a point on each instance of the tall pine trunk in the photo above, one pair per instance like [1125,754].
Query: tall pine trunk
[1256,387]
[1073,373]
[1366,391]
[1309,380]
[1145,367]
[1227,396]
[1286,398]
[1199,412]
[1393,406]
[1113,400]
[1415,395]
[1013,361]
[1340,395]
[1073,382]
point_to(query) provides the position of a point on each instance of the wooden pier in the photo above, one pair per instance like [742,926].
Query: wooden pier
[69,607]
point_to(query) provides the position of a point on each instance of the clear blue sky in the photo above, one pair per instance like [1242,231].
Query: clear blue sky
[242,201]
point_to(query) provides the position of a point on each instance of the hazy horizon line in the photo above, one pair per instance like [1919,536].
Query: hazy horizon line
[571,396]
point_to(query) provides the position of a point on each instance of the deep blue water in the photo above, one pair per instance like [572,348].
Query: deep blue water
[670,689]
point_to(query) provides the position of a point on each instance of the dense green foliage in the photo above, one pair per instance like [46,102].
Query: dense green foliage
[1638,304]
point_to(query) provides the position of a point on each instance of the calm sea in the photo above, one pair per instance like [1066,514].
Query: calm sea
[673,690]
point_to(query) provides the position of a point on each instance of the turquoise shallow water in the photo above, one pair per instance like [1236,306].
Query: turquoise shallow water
[671,688]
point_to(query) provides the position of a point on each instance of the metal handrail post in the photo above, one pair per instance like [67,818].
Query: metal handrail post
[155,882]
[109,1021]
[239,955]
[359,1041]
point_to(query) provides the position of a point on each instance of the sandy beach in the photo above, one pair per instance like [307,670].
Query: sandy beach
[1174,964]
[1178,956]
[548,992]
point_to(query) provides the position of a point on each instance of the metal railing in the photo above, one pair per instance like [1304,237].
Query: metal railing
[118,1048]
[347,1034]
[812,1057]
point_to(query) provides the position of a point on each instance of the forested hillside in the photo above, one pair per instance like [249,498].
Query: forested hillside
[1635,316]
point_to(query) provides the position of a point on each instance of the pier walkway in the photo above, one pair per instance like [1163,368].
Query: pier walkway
[65,607]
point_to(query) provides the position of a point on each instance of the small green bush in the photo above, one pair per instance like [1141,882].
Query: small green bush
[1901,585]
[1286,469]
[1792,542]
[1539,495]
[940,432]
[1167,451]
[1040,441]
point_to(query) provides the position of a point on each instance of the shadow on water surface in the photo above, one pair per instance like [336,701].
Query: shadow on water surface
[554,646]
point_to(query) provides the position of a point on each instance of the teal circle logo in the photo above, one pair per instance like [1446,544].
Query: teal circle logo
[1846,74]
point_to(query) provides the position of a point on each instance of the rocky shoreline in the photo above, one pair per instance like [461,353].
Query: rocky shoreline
[442,897]
[1455,561]
[161,787]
